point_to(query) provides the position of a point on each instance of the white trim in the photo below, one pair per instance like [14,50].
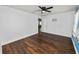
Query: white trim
[56,33]
[74,45]
[17,39]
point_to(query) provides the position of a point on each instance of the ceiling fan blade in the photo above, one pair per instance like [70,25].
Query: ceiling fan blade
[49,7]
[48,11]
[40,7]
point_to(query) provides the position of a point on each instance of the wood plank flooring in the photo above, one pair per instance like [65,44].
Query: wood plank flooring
[40,44]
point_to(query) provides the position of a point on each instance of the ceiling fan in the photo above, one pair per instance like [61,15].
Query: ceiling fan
[45,9]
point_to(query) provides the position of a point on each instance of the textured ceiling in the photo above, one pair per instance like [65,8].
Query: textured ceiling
[35,10]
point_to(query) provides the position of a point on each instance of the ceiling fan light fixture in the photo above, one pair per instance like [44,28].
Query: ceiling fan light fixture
[43,11]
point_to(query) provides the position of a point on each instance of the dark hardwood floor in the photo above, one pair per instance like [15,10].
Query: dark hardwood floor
[40,44]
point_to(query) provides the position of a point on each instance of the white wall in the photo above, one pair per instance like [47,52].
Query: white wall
[16,24]
[0,49]
[63,26]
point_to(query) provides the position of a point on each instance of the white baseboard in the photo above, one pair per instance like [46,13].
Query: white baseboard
[16,39]
[74,46]
[56,34]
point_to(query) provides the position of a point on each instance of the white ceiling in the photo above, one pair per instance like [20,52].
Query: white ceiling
[35,10]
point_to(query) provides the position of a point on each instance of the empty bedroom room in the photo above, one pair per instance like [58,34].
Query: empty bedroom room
[39,29]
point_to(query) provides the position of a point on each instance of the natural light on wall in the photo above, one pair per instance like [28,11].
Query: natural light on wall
[76,23]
